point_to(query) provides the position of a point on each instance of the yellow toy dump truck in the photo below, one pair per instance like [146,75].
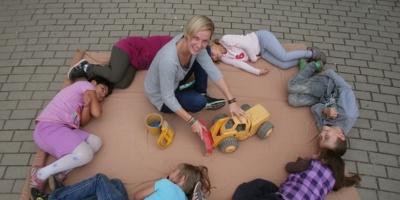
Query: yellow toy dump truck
[226,131]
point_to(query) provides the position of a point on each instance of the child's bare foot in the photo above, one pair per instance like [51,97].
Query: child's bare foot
[264,71]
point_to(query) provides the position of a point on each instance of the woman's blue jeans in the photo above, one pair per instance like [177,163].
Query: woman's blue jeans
[96,187]
[192,100]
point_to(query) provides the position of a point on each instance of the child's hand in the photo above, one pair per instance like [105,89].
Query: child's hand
[86,99]
[331,113]
[264,71]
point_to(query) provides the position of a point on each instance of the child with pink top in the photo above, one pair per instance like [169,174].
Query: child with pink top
[57,128]
[236,50]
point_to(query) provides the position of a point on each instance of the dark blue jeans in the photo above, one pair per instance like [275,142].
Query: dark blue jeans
[96,187]
[192,100]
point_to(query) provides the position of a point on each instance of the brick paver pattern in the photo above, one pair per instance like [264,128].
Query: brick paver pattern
[360,37]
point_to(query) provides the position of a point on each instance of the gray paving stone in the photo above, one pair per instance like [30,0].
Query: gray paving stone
[369,182]
[394,138]
[356,155]
[393,173]
[383,159]
[16,172]
[367,194]
[363,145]
[388,195]
[389,148]
[383,126]
[6,135]
[373,135]
[371,169]
[28,147]
[9,147]
[2,170]
[6,186]
[17,124]
[389,185]
[15,159]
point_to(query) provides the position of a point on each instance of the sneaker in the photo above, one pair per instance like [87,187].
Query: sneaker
[318,54]
[35,182]
[37,195]
[77,70]
[197,193]
[302,63]
[55,182]
[213,103]
[320,65]
[187,86]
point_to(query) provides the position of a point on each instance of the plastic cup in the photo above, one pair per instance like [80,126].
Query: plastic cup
[153,123]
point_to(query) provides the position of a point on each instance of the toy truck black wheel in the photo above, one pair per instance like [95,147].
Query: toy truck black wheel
[265,130]
[229,145]
[245,107]
[218,117]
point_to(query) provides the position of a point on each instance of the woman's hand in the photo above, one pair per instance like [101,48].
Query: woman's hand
[197,127]
[237,111]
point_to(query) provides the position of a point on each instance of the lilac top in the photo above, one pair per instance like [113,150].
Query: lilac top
[314,183]
[66,107]
[142,50]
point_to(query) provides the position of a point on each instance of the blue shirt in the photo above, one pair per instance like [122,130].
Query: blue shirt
[339,95]
[164,189]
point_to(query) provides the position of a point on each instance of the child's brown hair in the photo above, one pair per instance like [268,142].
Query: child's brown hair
[336,164]
[194,174]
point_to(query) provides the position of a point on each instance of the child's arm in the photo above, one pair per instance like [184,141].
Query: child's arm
[241,65]
[95,106]
[298,166]
[145,192]
[85,115]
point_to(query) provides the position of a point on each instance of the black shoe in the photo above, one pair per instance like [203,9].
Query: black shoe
[77,71]
[213,103]
[54,183]
[37,195]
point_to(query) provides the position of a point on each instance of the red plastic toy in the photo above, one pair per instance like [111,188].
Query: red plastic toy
[206,143]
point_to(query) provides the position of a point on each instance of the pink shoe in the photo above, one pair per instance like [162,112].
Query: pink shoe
[35,182]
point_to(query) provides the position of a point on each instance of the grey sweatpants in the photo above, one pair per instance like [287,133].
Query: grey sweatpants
[120,72]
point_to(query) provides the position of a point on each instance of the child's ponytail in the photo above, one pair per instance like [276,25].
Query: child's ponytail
[335,162]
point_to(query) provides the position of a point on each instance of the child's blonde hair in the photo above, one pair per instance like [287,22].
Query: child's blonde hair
[198,23]
[194,174]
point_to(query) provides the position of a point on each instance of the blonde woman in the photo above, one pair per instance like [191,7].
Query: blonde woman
[175,63]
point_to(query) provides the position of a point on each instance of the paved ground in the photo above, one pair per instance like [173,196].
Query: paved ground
[360,37]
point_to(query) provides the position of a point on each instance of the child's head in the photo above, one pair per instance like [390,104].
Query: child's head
[187,175]
[103,87]
[332,137]
[216,52]
[336,164]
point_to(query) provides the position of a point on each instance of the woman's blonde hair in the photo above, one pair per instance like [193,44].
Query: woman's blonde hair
[198,23]
[194,174]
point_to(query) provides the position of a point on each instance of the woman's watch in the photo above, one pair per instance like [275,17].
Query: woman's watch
[232,101]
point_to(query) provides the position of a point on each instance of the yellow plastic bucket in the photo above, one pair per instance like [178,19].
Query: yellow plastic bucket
[153,123]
